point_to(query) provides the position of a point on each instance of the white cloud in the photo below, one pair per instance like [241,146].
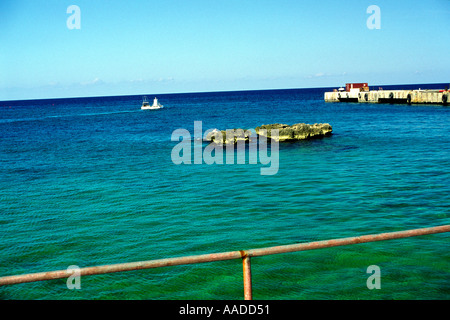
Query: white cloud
[92,82]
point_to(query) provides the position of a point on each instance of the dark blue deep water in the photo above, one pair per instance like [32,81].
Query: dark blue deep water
[90,181]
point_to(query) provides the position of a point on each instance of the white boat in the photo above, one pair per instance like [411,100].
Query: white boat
[146,105]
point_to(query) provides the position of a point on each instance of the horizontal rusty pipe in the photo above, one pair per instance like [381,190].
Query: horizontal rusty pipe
[51,275]
[346,241]
[220,256]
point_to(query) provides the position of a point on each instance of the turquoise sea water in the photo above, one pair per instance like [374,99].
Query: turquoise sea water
[90,181]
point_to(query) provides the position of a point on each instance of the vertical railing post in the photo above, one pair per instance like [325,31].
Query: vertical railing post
[247,277]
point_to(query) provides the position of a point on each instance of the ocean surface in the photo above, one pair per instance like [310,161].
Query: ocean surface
[91,181]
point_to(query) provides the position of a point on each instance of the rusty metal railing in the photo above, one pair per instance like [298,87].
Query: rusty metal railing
[245,255]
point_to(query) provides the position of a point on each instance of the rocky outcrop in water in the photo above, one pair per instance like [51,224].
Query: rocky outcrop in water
[299,131]
[233,136]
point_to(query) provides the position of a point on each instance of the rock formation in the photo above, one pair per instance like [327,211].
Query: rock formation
[229,136]
[299,131]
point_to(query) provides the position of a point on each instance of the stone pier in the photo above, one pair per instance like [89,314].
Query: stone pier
[390,96]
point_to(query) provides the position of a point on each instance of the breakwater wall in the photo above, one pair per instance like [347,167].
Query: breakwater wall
[390,96]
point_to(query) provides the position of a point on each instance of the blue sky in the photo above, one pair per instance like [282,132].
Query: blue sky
[169,46]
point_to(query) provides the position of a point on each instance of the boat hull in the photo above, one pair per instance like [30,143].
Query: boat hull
[150,107]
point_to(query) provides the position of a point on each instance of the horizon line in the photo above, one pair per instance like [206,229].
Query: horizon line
[218,91]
